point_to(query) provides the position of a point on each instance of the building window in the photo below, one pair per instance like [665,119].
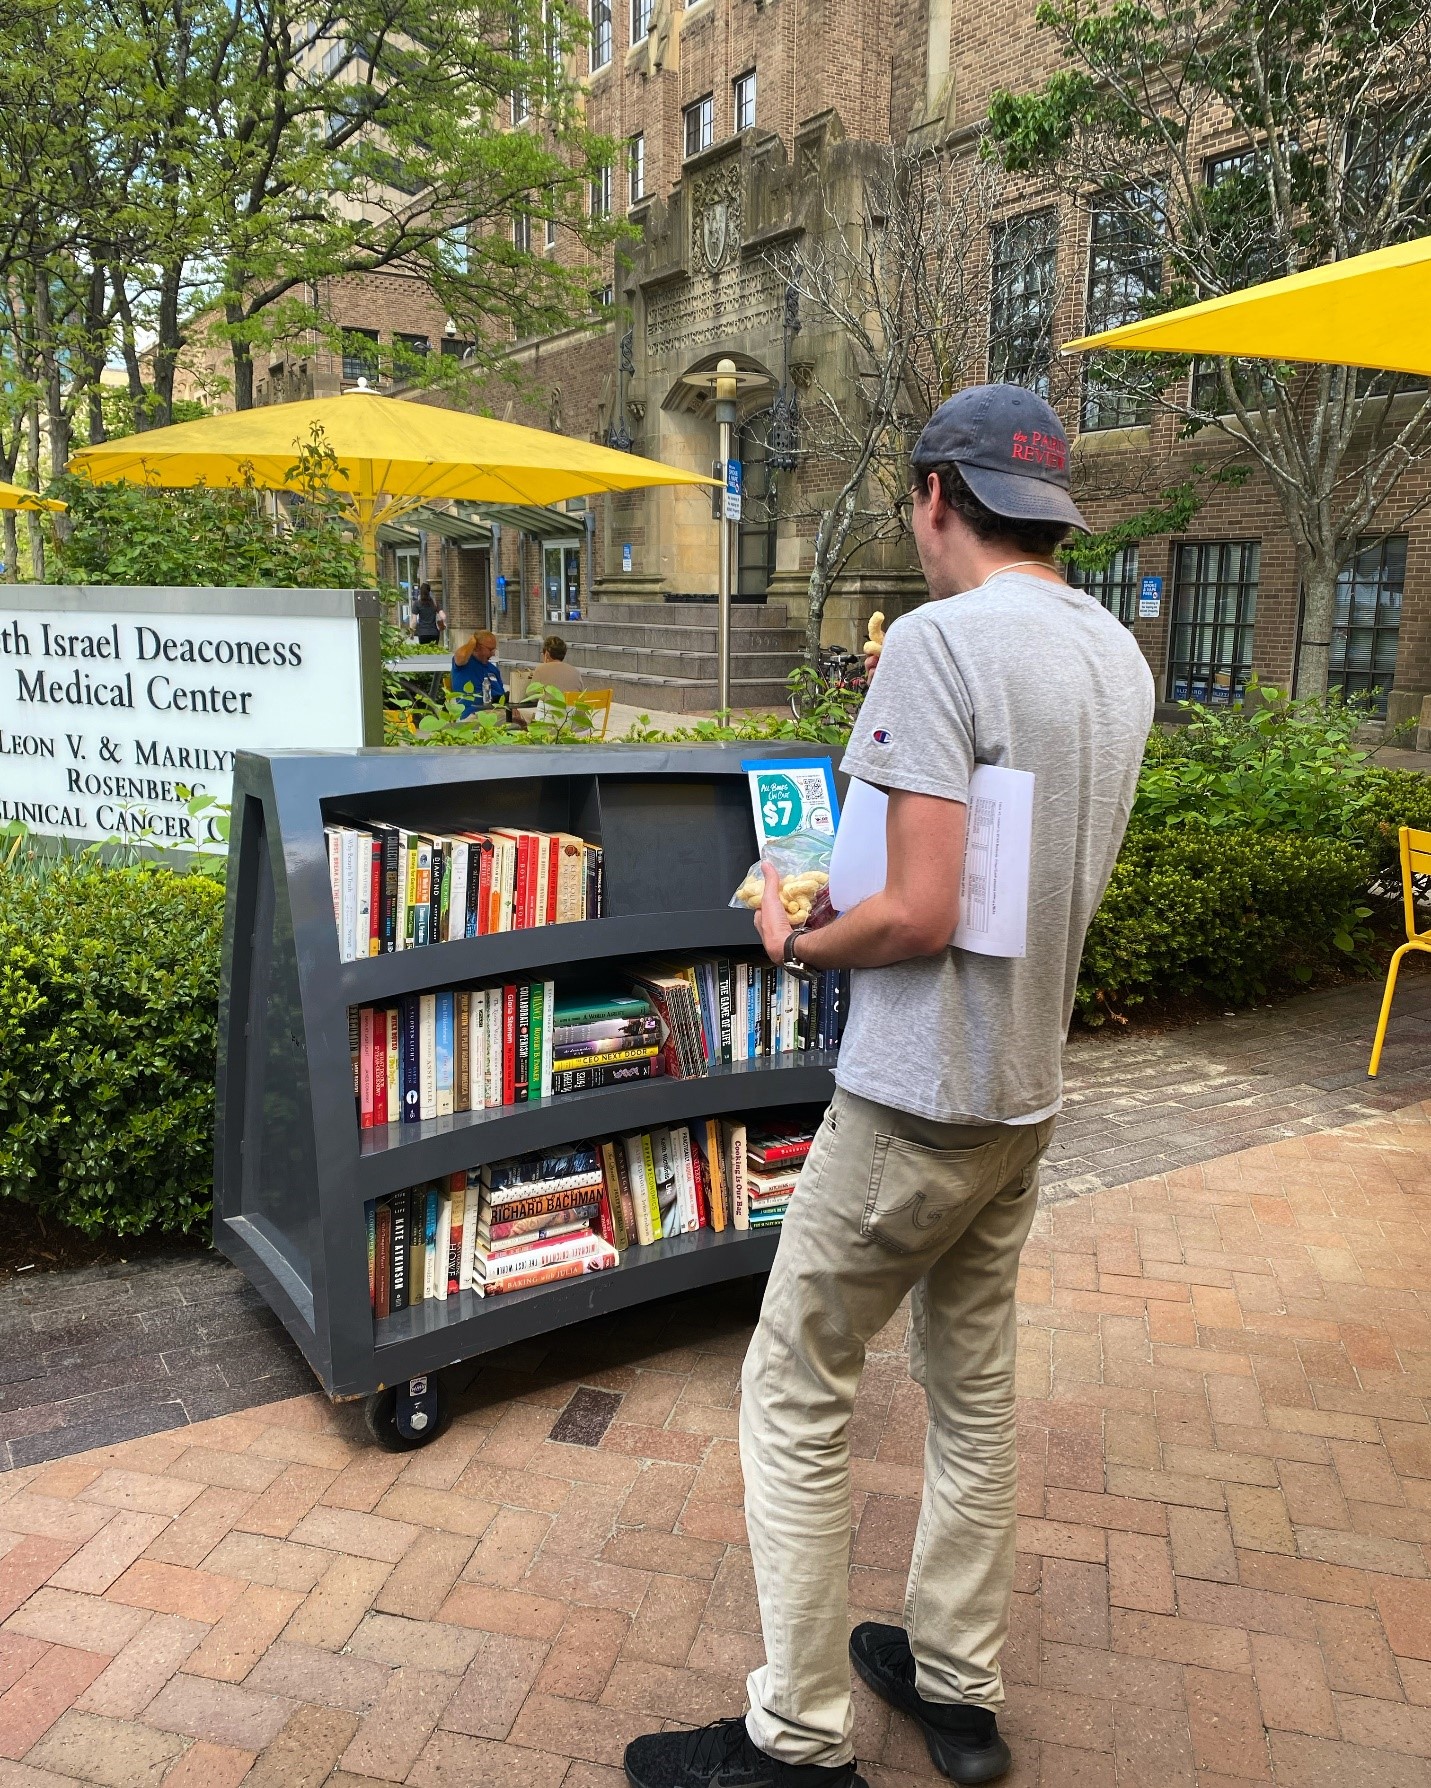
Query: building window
[360,359]
[522,232]
[636,164]
[1367,619]
[1125,271]
[601,193]
[1115,586]
[605,296]
[700,125]
[745,101]
[1214,611]
[551,235]
[640,19]
[600,33]
[414,347]
[521,109]
[1021,300]
[455,348]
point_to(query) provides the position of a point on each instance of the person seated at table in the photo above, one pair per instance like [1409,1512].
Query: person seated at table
[476,681]
[554,672]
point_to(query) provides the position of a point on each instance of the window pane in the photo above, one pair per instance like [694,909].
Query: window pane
[600,33]
[1366,619]
[1214,611]
[1021,302]
[1125,271]
[1115,586]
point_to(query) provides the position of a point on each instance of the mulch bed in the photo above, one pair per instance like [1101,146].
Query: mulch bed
[31,1243]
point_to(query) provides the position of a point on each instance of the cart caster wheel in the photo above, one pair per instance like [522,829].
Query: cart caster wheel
[405,1416]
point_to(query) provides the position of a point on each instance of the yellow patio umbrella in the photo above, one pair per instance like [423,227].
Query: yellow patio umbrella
[15,496]
[392,457]
[1371,310]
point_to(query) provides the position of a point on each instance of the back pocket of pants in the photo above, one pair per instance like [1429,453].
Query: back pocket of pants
[918,1195]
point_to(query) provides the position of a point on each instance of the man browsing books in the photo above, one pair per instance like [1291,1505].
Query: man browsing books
[923,1177]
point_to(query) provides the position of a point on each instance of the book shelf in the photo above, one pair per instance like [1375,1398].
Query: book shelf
[293,1170]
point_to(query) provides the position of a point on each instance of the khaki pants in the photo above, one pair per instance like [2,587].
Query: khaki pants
[887,1203]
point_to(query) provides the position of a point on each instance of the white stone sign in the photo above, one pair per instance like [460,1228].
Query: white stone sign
[120,706]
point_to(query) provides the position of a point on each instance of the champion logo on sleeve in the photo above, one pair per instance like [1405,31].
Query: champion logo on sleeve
[882,736]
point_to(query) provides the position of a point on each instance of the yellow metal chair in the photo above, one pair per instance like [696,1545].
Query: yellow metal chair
[1415,860]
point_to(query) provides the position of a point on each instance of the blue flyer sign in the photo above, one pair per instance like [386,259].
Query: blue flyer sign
[1150,599]
[733,489]
[793,795]
[626,557]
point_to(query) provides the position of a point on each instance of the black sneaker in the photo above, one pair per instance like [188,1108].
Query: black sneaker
[963,1741]
[722,1756]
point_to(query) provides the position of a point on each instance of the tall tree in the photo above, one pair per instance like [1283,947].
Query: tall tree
[1215,144]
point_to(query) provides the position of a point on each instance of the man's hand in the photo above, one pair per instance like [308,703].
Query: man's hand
[771,919]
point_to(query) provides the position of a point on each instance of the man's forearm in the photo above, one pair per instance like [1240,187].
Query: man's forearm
[871,935]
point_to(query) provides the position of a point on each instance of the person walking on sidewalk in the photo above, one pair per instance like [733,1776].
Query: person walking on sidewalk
[923,1179]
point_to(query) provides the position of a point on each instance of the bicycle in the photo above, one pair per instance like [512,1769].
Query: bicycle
[841,678]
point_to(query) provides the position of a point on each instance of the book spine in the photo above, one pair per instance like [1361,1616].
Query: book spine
[469,1233]
[687,1209]
[524,1039]
[540,1206]
[553,847]
[437,897]
[611,1193]
[383,1266]
[509,1045]
[401,1202]
[492,1082]
[427,1055]
[483,907]
[457,1228]
[457,898]
[536,1021]
[655,1155]
[543,1224]
[640,1196]
[547,1275]
[582,1080]
[541,876]
[586,1246]
[509,886]
[521,875]
[442,1264]
[333,838]
[445,1052]
[462,1051]
[702,1183]
[421,893]
[392,1019]
[411,1058]
[715,1170]
[586,1055]
[375,896]
[548,1006]
[366,1119]
[370,1213]
[350,893]
[362,895]
[739,1192]
[381,1109]
[387,901]
[431,1215]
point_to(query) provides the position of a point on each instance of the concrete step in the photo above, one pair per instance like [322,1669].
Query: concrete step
[663,638]
[691,614]
[638,660]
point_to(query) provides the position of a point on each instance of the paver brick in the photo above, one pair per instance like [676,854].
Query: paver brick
[305,1750]
[206,1765]
[225,1713]
[131,1680]
[393,1736]
[236,1642]
[29,1707]
[503,1671]
[114,1753]
[333,1609]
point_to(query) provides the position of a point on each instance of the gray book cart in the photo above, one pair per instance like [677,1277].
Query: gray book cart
[293,1170]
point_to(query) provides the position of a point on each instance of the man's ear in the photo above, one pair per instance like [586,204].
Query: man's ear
[934,496]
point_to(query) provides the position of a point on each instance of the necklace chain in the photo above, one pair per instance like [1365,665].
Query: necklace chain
[1012,565]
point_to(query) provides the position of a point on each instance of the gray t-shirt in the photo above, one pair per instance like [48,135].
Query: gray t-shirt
[1032,675]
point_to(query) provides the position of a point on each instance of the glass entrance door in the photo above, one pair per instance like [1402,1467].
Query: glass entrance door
[561,580]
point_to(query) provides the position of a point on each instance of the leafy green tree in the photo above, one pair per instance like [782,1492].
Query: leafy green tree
[1218,143]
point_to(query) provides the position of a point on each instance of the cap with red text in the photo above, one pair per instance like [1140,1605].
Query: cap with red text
[1011,449]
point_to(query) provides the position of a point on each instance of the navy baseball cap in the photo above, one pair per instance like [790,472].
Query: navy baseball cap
[1011,449]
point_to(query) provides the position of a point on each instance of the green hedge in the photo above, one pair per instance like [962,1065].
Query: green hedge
[1230,915]
[108,1030]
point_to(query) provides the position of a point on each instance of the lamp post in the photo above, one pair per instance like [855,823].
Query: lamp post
[724,382]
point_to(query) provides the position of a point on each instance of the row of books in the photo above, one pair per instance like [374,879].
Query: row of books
[558,1213]
[429,1055]
[395,890]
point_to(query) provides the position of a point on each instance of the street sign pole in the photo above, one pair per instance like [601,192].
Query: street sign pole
[725,389]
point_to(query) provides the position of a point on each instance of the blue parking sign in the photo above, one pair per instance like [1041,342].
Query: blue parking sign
[1150,598]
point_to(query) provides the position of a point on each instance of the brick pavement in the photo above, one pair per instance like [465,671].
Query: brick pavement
[1223,1558]
[112,1353]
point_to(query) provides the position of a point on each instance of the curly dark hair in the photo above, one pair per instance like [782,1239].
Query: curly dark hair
[1033,537]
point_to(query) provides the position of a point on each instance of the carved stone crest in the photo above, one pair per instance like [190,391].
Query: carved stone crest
[715,233]
[716,216]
